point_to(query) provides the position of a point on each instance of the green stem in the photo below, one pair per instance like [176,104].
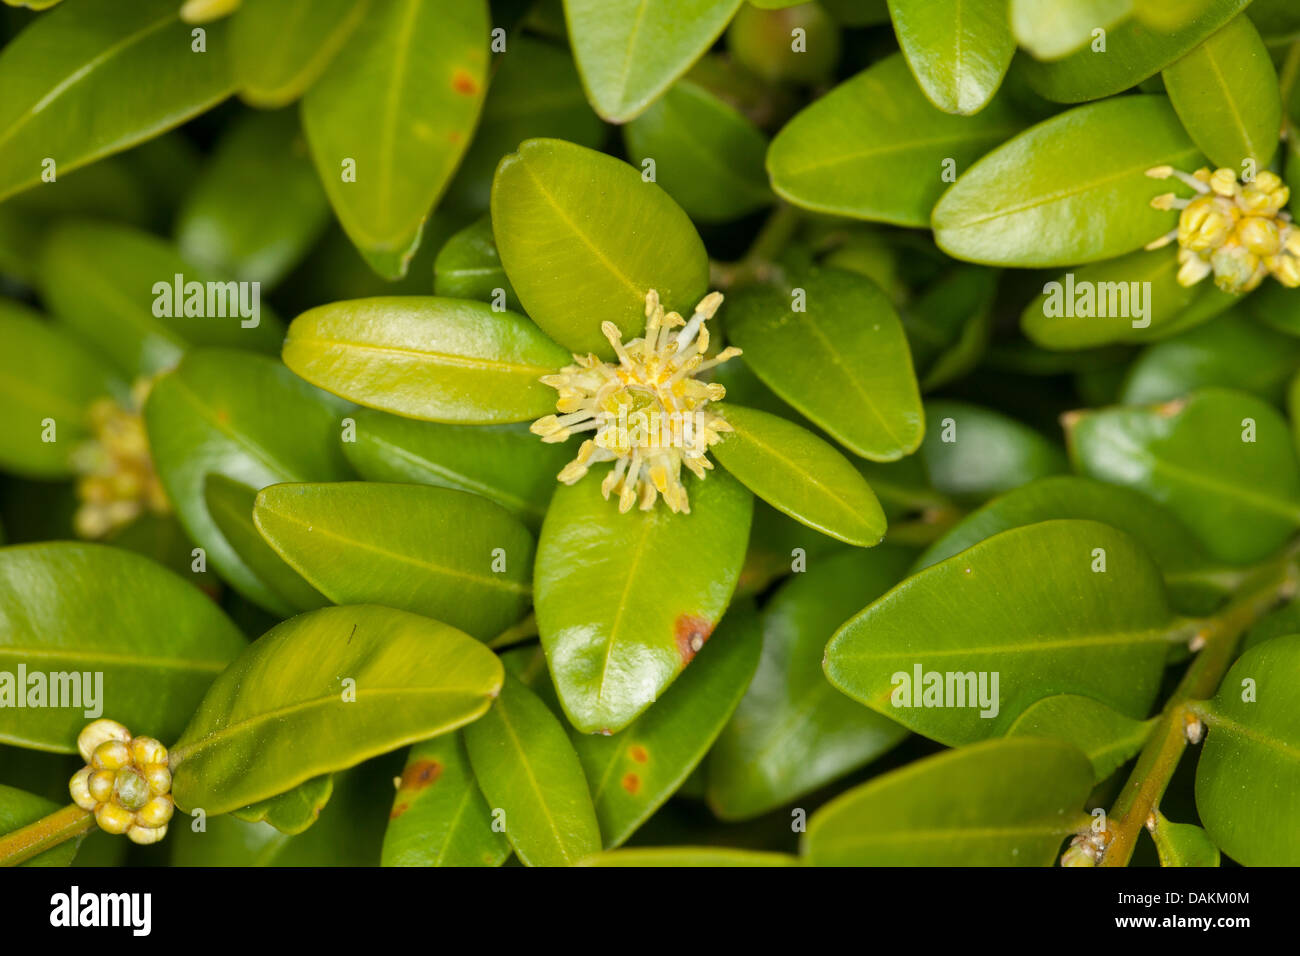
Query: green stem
[46,833]
[1155,767]
[1289,73]
[759,262]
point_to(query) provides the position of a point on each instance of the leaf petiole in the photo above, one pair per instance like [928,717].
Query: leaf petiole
[21,845]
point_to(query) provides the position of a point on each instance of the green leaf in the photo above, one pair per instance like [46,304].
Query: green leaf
[1183,844]
[772,543]
[280,714]
[18,808]
[527,769]
[258,207]
[1248,777]
[1232,351]
[948,325]
[1240,497]
[676,856]
[1226,93]
[762,41]
[447,360]
[630,51]
[1276,19]
[280,47]
[81,610]
[439,817]
[1278,623]
[44,374]
[230,506]
[1000,803]
[1076,630]
[974,453]
[624,601]
[842,360]
[874,148]
[293,811]
[575,263]
[469,267]
[798,473]
[1134,51]
[632,773]
[448,555]
[118,288]
[504,463]
[1107,738]
[958,55]
[793,732]
[82,61]
[210,416]
[1134,298]
[707,155]
[397,106]
[1052,29]
[1030,203]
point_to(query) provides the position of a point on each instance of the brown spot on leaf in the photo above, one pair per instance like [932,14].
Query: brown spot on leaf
[454,136]
[463,83]
[420,774]
[690,632]
[638,753]
[631,783]
[399,810]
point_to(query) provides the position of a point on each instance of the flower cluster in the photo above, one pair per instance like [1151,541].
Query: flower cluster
[649,412]
[127,783]
[1240,232]
[117,478]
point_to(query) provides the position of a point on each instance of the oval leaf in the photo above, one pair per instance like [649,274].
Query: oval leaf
[1107,738]
[1183,844]
[280,47]
[974,453]
[958,55]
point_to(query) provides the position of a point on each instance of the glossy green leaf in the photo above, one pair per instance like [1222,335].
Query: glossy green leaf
[838,354]
[1134,298]
[78,610]
[632,773]
[1248,777]
[1183,844]
[1223,462]
[762,41]
[469,267]
[247,418]
[18,808]
[575,263]
[1226,93]
[527,769]
[83,60]
[959,55]
[1000,803]
[1051,29]
[706,856]
[874,148]
[322,692]
[797,473]
[776,543]
[1277,623]
[230,506]
[624,601]
[439,817]
[1030,203]
[448,555]
[630,51]
[280,47]
[1231,351]
[1075,630]
[447,360]
[391,117]
[258,206]
[117,287]
[1106,737]
[974,453]
[293,811]
[1133,52]
[44,374]
[707,155]
[505,463]
[793,732]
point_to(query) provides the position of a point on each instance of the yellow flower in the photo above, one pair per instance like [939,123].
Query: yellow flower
[648,413]
[126,782]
